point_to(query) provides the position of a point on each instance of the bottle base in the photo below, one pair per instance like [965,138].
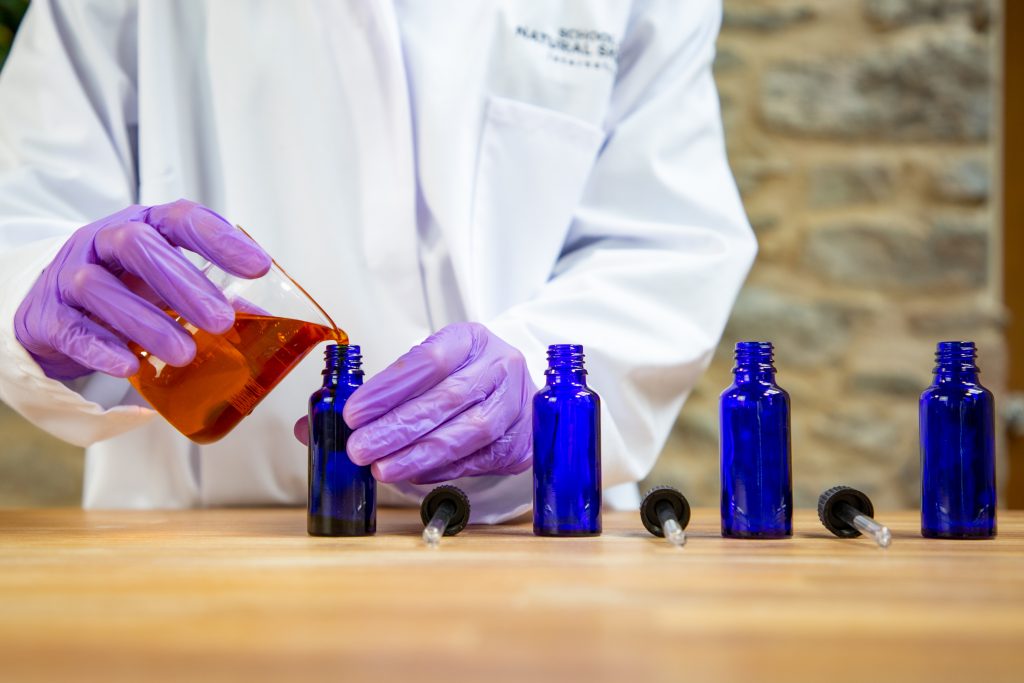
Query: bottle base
[554,533]
[758,535]
[326,526]
[959,535]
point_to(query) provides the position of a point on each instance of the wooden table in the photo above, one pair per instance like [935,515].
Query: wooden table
[247,595]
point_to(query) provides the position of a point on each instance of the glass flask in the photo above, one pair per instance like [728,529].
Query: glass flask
[757,489]
[958,465]
[276,325]
[342,495]
[566,449]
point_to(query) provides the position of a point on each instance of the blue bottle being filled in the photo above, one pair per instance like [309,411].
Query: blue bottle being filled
[342,496]
[958,466]
[757,489]
[566,449]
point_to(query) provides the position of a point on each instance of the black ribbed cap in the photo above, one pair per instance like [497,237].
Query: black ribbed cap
[828,501]
[649,508]
[453,495]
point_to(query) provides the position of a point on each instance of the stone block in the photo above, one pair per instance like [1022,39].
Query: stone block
[935,89]
[805,333]
[891,14]
[872,433]
[892,364]
[752,172]
[832,185]
[953,255]
[745,15]
[960,244]
[964,181]
[956,321]
[764,223]
[867,254]
[879,381]
[727,60]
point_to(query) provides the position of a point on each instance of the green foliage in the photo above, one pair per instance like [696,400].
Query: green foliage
[11,12]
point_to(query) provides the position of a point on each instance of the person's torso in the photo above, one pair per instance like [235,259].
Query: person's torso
[409,165]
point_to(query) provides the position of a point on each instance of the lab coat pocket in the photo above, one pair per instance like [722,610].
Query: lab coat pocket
[531,173]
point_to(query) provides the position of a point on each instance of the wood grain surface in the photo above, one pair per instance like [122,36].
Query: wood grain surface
[245,594]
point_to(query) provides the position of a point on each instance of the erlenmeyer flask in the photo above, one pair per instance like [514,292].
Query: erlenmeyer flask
[276,325]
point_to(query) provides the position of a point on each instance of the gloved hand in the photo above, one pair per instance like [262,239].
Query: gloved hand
[108,274]
[457,405]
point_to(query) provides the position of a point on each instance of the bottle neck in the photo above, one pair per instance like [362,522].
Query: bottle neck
[754,362]
[578,378]
[955,362]
[750,374]
[347,378]
[565,365]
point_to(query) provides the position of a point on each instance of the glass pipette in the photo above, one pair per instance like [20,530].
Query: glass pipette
[847,513]
[665,512]
[445,512]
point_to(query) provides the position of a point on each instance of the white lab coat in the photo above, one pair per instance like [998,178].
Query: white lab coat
[555,170]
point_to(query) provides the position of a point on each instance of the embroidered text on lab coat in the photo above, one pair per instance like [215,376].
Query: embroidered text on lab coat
[575,47]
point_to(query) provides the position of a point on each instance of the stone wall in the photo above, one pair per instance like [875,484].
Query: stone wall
[862,136]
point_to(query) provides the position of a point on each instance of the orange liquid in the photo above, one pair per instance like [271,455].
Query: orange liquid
[230,375]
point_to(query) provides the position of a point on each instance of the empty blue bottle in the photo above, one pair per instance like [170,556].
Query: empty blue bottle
[958,463]
[566,449]
[757,488]
[342,496]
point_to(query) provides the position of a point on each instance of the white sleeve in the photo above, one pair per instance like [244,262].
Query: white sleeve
[67,157]
[659,246]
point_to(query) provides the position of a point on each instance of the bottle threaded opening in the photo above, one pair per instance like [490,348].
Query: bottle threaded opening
[755,353]
[956,355]
[332,357]
[566,357]
[343,356]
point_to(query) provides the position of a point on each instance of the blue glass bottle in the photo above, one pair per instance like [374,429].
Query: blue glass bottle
[958,463]
[566,449]
[757,487]
[342,496]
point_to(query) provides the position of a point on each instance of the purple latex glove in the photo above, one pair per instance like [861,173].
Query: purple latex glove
[100,288]
[457,405]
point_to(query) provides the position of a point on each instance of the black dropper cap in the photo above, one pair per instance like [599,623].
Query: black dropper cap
[654,505]
[450,501]
[829,504]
